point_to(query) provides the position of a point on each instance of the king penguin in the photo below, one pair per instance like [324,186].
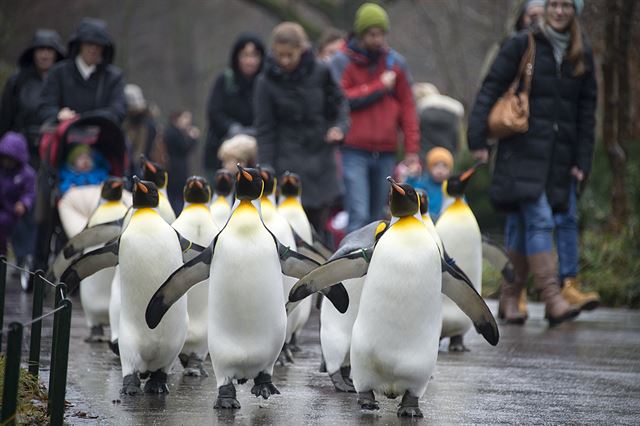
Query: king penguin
[460,234]
[95,291]
[394,343]
[223,197]
[147,251]
[157,174]
[290,207]
[196,224]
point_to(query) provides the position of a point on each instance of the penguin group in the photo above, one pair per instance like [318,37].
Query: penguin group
[230,279]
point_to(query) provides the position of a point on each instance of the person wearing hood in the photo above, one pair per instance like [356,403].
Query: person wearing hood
[537,172]
[21,95]
[86,81]
[230,105]
[301,116]
[377,84]
[17,184]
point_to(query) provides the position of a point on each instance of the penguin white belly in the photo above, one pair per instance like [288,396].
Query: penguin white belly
[164,207]
[196,225]
[220,211]
[247,318]
[293,212]
[95,290]
[149,253]
[114,305]
[461,237]
[395,338]
[336,328]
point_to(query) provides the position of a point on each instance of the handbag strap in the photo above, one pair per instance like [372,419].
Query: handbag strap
[526,68]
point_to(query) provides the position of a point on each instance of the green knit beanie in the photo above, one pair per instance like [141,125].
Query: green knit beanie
[370,15]
[76,152]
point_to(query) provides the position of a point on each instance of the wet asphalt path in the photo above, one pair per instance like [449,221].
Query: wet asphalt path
[584,372]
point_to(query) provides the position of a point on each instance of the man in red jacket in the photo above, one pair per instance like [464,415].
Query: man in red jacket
[377,84]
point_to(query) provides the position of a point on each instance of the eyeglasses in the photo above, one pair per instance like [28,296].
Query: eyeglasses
[564,6]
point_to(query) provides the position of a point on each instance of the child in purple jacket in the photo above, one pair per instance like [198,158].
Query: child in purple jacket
[17,184]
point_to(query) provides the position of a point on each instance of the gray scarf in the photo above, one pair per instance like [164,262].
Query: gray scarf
[559,43]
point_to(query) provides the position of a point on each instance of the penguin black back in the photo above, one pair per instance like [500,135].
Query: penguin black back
[223,182]
[249,184]
[291,185]
[424,201]
[403,199]
[153,172]
[197,190]
[112,189]
[145,194]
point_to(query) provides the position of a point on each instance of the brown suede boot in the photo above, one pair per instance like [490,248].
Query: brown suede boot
[543,268]
[522,302]
[510,291]
[572,294]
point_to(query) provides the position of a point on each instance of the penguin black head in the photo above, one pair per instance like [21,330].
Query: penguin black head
[197,190]
[112,188]
[145,193]
[456,185]
[153,172]
[269,177]
[249,184]
[403,199]
[424,201]
[223,182]
[291,185]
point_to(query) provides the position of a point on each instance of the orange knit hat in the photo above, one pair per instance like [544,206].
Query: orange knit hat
[438,155]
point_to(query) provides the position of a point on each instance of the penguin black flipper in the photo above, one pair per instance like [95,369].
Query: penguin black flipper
[90,263]
[462,292]
[89,237]
[497,257]
[177,285]
[306,249]
[336,294]
[351,265]
[189,249]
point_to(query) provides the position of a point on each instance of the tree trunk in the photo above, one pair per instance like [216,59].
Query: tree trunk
[611,129]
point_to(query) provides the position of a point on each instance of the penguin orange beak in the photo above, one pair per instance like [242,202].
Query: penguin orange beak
[264,175]
[115,185]
[142,187]
[395,186]
[245,173]
[150,166]
[467,173]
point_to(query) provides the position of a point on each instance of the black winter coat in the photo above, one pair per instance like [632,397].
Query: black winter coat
[561,126]
[293,113]
[102,93]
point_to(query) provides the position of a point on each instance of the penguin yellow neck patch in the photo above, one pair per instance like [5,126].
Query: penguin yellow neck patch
[458,206]
[143,211]
[194,206]
[290,202]
[408,222]
[221,200]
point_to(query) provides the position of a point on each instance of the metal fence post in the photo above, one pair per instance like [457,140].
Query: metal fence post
[12,374]
[36,327]
[62,358]
[3,286]
[60,288]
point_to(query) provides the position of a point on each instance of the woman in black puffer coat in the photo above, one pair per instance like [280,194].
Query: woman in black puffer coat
[534,170]
[301,115]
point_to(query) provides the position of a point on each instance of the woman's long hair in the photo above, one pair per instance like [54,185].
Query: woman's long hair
[575,53]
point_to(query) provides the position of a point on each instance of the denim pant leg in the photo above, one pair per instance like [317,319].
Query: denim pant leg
[356,183]
[514,233]
[538,225]
[23,239]
[566,233]
[381,166]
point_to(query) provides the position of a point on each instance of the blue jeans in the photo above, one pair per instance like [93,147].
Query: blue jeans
[366,188]
[530,230]
[566,234]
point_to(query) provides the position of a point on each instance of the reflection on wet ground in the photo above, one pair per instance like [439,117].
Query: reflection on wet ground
[584,372]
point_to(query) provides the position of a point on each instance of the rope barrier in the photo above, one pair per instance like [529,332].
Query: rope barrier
[20,268]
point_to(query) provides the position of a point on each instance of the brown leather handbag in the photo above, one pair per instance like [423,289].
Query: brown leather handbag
[510,114]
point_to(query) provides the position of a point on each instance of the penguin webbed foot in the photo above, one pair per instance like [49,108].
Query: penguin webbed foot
[131,385]
[193,365]
[285,357]
[293,345]
[367,401]
[456,344]
[157,383]
[409,406]
[96,335]
[263,387]
[340,384]
[227,397]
